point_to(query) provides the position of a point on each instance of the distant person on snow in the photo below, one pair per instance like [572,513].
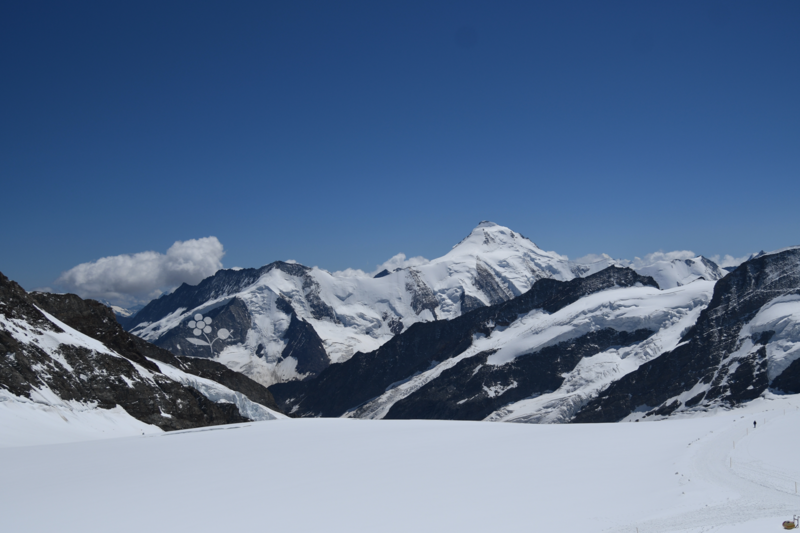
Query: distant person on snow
[754,424]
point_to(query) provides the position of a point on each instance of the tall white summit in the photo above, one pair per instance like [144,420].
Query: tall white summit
[290,321]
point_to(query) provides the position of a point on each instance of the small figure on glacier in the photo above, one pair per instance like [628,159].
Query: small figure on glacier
[754,424]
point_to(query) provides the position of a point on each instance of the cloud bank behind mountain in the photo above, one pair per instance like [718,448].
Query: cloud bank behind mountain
[130,279]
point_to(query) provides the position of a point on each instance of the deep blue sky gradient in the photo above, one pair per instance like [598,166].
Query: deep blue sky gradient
[341,133]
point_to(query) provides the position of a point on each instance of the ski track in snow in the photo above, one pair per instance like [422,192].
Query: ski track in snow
[730,460]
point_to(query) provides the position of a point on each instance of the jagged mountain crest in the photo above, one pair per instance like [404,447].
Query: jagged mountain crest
[223,282]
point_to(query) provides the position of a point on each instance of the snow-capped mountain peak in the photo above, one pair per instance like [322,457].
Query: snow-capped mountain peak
[491,235]
[338,315]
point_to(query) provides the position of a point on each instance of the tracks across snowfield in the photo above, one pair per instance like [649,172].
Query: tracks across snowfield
[737,477]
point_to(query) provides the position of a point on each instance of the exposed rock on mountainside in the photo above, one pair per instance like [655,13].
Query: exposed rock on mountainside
[473,388]
[347,385]
[93,319]
[746,339]
[70,353]
[304,345]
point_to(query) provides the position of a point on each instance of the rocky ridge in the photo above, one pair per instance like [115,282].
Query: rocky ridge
[746,341]
[71,353]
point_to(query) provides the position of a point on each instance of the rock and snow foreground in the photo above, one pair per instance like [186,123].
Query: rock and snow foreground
[290,322]
[711,473]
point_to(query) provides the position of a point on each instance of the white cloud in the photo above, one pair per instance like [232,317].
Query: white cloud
[588,259]
[400,261]
[397,261]
[728,260]
[649,259]
[655,257]
[350,273]
[137,278]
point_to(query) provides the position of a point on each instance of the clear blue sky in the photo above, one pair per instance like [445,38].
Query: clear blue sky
[341,133]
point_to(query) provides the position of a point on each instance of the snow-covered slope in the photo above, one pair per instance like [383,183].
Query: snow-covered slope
[419,476]
[50,371]
[678,272]
[290,321]
[561,342]
[668,273]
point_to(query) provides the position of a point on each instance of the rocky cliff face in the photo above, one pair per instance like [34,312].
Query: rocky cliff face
[473,388]
[745,341]
[94,320]
[62,350]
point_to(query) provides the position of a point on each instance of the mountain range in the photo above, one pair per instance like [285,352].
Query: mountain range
[608,347]
[290,322]
[497,329]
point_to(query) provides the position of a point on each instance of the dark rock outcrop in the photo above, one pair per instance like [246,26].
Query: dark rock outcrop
[488,284]
[474,389]
[303,343]
[96,320]
[319,309]
[125,377]
[470,303]
[422,297]
[788,382]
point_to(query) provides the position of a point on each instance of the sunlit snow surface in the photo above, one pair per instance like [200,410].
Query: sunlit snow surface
[338,475]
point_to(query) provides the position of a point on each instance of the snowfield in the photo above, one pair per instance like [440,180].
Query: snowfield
[331,475]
